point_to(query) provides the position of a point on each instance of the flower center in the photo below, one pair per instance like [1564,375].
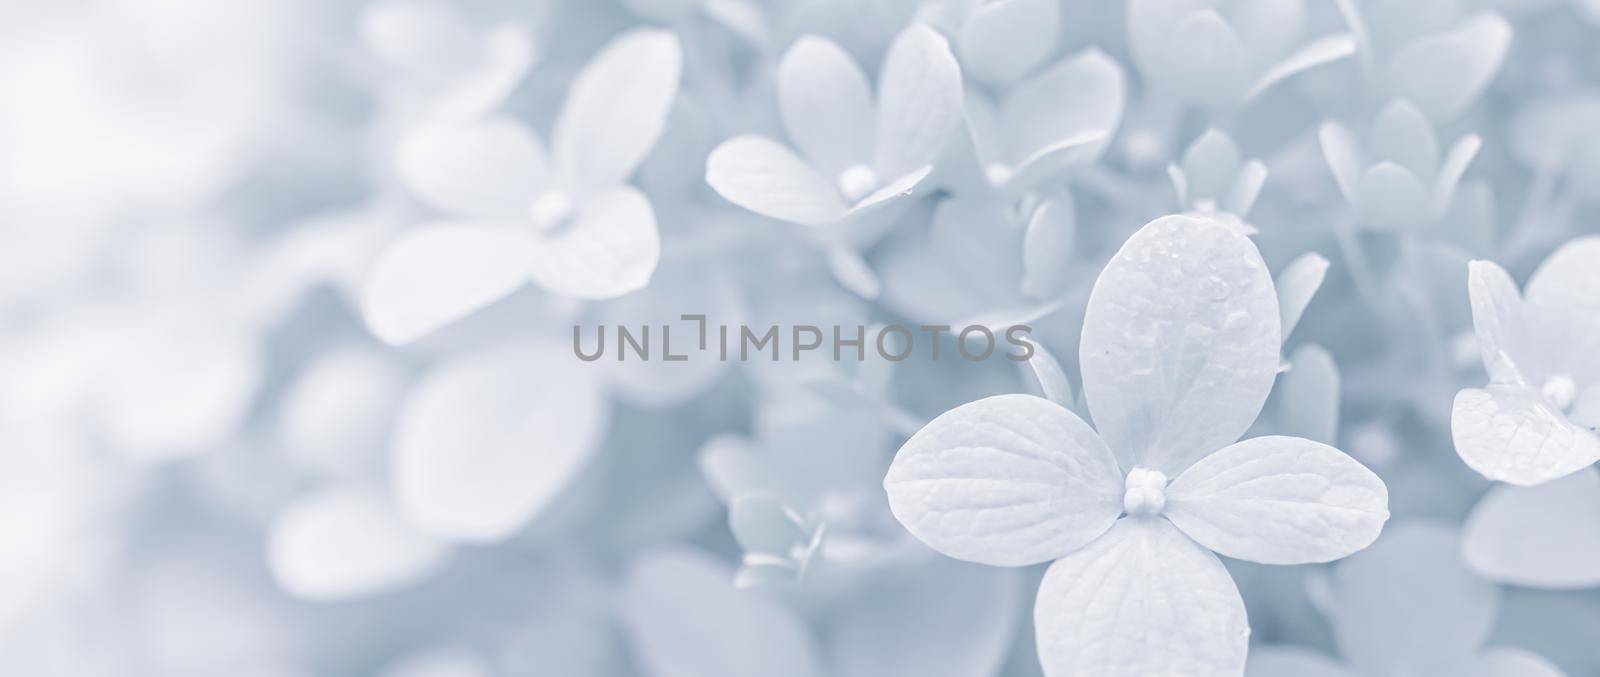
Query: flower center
[1560,390]
[998,173]
[857,181]
[1146,492]
[550,209]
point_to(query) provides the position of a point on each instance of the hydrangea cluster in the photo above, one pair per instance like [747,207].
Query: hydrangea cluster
[723,338]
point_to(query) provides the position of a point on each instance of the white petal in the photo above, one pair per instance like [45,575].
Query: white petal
[826,104]
[346,543]
[616,108]
[1207,61]
[1407,604]
[1326,49]
[1453,167]
[980,243]
[902,186]
[1402,134]
[1001,41]
[732,467]
[1390,197]
[1079,99]
[1307,395]
[1500,319]
[1297,284]
[490,169]
[1052,380]
[919,102]
[1343,154]
[610,248]
[1180,342]
[1445,71]
[687,620]
[1514,662]
[1511,434]
[1188,49]
[1008,480]
[853,273]
[1279,500]
[1539,537]
[1141,600]
[934,618]
[1287,661]
[1209,166]
[767,178]
[485,442]
[434,275]
[1246,188]
[1180,184]
[1047,249]
[337,412]
[1566,288]
[1050,161]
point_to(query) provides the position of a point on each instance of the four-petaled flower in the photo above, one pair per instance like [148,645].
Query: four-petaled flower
[1536,420]
[1180,348]
[860,154]
[569,223]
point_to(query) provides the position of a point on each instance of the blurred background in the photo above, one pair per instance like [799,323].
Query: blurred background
[211,464]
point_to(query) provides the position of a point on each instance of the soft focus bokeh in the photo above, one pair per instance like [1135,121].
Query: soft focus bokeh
[288,293]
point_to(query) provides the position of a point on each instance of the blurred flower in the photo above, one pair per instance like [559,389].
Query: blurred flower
[1396,180]
[1223,54]
[1540,537]
[1214,179]
[1430,53]
[1059,120]
[573,228]
[1406,606]
[861,154]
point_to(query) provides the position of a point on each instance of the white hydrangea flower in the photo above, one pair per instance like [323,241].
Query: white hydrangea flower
[1224,54]
[1428,53]
[1214,178]
[1057,120]
[861,153]
[570,225]
[1396,180]
[1537,419]
[1001,42]
[1180,348]
[797,492]
[1438,625]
